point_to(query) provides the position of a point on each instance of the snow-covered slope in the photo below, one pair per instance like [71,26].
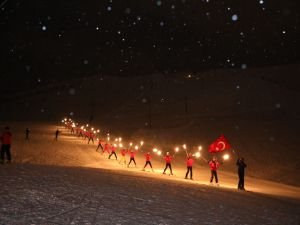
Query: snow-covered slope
[68,182]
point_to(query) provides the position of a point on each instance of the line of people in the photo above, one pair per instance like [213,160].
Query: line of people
[214,164]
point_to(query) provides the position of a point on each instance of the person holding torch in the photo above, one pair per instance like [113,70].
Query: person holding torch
[168,159]
[148,161]
[132,154]
[189,164]
[214,165]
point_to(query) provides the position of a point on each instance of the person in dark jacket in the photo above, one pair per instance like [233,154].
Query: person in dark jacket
[241,172]
[56,134]
[6,143]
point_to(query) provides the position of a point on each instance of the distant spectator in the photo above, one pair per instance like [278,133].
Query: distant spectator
[56,134]
[6,143]
[27,132]
[241,172]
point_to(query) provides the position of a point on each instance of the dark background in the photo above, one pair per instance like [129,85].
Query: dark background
[45,41]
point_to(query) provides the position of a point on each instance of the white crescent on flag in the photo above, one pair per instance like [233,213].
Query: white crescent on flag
[220,146]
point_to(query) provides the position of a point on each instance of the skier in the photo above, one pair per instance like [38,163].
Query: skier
[113,151]
[5,147]
[90,136]
[132,155]
[100,145]
[214,165]
[123,156]
[148,161]
[168,158]
[241,172]
[106,148]
[189,164]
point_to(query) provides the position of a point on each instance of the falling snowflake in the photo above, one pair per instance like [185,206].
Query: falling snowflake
[234,17]
[244,66]
[72,91]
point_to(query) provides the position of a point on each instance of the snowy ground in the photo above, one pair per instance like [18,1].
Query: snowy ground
[68,182]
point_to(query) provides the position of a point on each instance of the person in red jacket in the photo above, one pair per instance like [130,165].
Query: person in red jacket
[100,145]
[90,136]
[148,161]
[214,165]
[123,156]
[132,155]
[113,151]
[189,164]
[168,158]
[106,148]
[5,147]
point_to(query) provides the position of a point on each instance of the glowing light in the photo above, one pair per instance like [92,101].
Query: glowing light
[120,139]
[199,148]
[226,157]
[121,145]
[198,154]
[108,138]
[141,143]
[116,139]
[136,147]
[130,144]
[155,150]
[184,146]
[158,152]
[177,149]
[115,145]
[98,131]
[87,125]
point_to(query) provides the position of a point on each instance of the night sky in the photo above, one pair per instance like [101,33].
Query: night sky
[42,40]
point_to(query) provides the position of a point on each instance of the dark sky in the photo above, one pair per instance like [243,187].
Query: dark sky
[44,40]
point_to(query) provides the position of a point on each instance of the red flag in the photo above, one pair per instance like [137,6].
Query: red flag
[219,145]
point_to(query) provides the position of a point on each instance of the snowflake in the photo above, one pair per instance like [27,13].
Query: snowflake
[234,17]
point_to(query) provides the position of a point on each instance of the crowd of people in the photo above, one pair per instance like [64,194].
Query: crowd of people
[111,150]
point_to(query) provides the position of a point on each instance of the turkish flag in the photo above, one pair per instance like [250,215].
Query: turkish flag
[219,145]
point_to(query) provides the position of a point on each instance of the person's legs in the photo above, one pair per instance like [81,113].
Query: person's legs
[187,172]
[8,155]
